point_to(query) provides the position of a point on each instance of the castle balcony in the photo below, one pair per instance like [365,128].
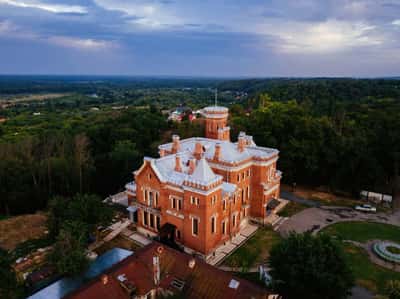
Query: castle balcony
[144,207]
[273,182]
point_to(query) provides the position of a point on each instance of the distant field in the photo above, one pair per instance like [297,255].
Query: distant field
[16,230]
[32,97]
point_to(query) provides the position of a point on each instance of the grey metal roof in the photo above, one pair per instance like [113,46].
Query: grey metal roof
[66,285]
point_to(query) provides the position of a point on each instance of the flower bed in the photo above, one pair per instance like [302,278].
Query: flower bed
[382,250]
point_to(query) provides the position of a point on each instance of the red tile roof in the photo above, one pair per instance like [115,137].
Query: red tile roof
[200,281]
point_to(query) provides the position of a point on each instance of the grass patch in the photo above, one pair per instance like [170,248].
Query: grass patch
[255,250]
[363,231]
[291,209]
[393,250]
[3,217]
[368,275]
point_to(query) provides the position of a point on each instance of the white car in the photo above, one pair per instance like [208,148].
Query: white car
[366,208]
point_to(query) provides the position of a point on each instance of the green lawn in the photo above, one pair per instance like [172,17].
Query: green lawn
[368,274]
[364,231]
[255,250]
[291,209]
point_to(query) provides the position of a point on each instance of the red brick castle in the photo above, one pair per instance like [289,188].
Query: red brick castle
[203,191]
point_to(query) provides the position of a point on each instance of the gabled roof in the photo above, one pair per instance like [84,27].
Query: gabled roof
[165,170]
[66,285]
[199,280]
[203,172]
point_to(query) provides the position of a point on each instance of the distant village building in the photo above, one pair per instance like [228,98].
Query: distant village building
[157,271]
[202,192]
[375,197]
[180,113]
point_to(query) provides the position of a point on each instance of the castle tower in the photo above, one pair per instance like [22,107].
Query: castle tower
[216,121]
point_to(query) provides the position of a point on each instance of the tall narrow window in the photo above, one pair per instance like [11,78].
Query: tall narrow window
[156,199]
[152,221]
[224,204]
[145,195]
[195,226]
[234,220]
[213,225]
[223,228]
[179,204]
[145,218]
[173,203]
[158,222]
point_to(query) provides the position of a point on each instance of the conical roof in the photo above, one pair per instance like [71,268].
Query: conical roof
[203,172]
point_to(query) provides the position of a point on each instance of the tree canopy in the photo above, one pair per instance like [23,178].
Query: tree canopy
[304,266]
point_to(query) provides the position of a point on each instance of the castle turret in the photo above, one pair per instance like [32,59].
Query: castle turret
[216,121]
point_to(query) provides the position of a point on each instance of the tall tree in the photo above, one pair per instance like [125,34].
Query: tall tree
[69,251]
[304,266]
[81,149]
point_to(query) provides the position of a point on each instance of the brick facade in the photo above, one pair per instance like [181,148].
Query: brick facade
[207,188]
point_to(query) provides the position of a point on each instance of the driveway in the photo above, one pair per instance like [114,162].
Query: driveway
[316,218]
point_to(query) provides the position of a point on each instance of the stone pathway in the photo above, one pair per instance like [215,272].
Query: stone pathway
[140,239]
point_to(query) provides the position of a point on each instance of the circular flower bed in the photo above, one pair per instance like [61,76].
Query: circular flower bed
[387,251]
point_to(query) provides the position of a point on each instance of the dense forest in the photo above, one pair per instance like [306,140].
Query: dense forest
[340,133]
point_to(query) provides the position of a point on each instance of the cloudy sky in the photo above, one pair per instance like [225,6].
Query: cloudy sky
[201,37]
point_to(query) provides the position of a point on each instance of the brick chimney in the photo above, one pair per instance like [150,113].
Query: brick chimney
[176,145]
[104,279]
[198,150]
[178,165]
[217,153]
[241,141]
[192,165]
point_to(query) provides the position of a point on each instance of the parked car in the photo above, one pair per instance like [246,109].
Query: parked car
[366,208]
